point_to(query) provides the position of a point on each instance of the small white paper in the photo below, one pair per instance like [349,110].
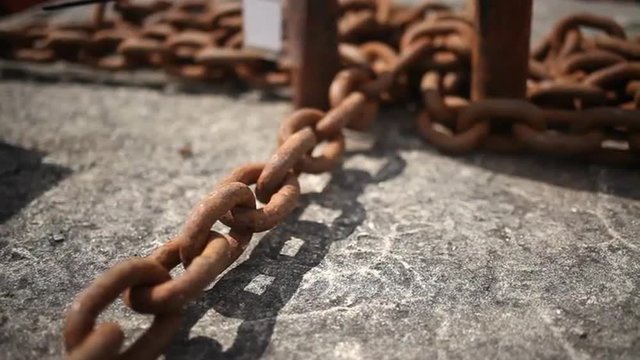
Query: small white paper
[262,24]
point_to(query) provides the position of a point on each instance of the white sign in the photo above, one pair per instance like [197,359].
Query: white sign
[262,24]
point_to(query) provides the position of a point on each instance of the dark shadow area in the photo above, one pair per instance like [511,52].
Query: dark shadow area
[259,312]
[23,177]
[154,79]
[567,173]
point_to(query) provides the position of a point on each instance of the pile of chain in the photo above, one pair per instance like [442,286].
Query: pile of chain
[194,39]
[582,101]
[583,97]
[190,39]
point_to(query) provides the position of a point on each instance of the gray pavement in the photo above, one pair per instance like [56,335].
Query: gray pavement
[400,253]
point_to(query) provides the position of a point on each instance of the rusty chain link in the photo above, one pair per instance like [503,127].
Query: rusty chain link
[583,101]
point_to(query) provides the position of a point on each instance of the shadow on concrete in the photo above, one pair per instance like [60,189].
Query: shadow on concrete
[580,176]
[23,177]
[566,173]
[259,312]
[140,78]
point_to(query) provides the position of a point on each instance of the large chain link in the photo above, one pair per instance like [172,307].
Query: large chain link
[583,101]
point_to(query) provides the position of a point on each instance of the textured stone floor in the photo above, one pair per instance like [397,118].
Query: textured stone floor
[400,253]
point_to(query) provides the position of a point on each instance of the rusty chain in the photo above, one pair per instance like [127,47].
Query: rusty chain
[190,39]
[583,101]
[146,284]
[583,96]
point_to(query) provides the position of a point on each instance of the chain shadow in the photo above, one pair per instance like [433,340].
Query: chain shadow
[575,175]
[23,177]
[567,173]
[259,312]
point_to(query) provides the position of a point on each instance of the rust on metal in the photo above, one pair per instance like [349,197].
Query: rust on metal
[265,218]
[195,233]
[313,37]
[494,75]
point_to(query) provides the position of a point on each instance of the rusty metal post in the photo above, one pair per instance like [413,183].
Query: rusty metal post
[313,40]
[500,59]
[470,8]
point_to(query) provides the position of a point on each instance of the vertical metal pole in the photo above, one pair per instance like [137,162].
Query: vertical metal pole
[500,60]
[313,40]
[470,8]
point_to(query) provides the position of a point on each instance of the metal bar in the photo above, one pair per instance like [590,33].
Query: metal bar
[313,39]
[500,58]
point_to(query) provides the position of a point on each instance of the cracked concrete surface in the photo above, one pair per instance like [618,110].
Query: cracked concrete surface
[400,253]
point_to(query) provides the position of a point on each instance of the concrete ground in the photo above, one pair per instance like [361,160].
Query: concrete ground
[400,253]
